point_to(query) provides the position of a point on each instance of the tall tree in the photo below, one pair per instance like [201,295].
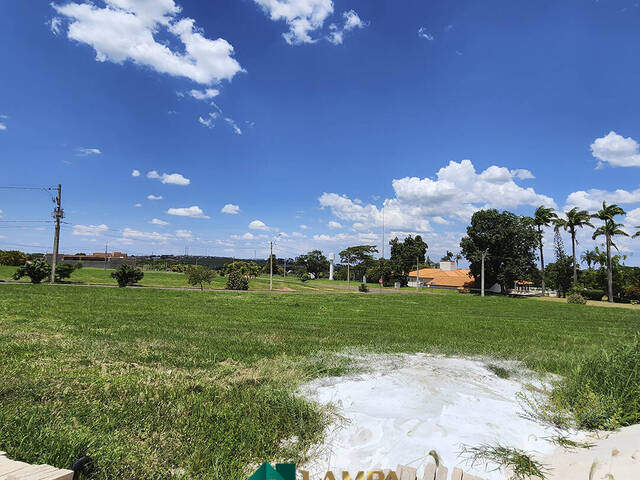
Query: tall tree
[404,255]
[314,262]
[511,241]
[637,234]
[590,257]
[609,230]
[359,255]
[576,218]
[543,217]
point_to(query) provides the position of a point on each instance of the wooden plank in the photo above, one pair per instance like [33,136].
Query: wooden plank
[406,473]
[456,474]
[429,471]
[466,476]
[441,473]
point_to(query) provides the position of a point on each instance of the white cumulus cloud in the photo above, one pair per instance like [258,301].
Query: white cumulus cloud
[592,199]
[172,178]
[126,30]
[154,197]
[194,212]
[456,192]
[230,209]
[3,126]
[206,94]
[135,173]
[616,150]
[307,17]
[157,221]
[89,230]
[333,225]
[258,225]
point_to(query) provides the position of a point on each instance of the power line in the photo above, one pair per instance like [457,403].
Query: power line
[27,188]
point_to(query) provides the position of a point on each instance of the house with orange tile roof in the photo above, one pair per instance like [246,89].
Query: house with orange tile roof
[447,276]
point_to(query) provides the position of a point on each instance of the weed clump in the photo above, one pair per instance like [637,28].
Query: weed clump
[518,464]
[603,390]
[576,299]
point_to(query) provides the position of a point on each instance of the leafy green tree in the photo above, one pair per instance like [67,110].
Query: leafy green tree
[236,280]
[511,242]
[590,257]
[277,269]
[609,230]
[37,271]
[127,275]
[13,258]
[313,262]
[199,275]
[448,257]
[404,256]
[248,269]
[543,217]
[359,256]
[560,272]
[380,269]
[576,218]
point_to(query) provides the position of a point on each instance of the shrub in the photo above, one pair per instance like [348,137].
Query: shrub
[13,258]
[237,281]
[304,276]
[78,265]
[576,299]
[127,275]
[603,390]
[593,294]
[36,271]
[63,271]
[633,293]
[363,288]
[464,290]
[199,275]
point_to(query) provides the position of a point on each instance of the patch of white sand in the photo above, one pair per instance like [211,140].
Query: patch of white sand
[407,405]
[615,455]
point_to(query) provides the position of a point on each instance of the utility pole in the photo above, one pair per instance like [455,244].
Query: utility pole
[271,265]
[417,274]
[484,254]
[106,250]
[58,214]
[285,269]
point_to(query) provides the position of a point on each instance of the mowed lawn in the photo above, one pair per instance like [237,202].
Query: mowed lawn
[99,276]
[163,383]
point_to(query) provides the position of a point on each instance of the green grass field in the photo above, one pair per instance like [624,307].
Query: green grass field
[150,382]
[177,280]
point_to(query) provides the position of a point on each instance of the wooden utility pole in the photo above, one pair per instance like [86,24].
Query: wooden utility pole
[417,274]
[58,214]
[271,265]
[106,254]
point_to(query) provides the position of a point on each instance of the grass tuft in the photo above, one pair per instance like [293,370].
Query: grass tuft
[499,371]
[518,464]
[602,391]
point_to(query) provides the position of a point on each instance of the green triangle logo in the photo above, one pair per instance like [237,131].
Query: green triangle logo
[283,471]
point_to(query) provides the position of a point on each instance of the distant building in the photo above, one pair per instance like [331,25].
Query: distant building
[447,276]
[96,259]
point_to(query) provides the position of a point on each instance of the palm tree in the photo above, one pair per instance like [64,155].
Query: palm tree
[610,229]
[637,234]
[576,218]
[458,256]
[590,257]
[543,217]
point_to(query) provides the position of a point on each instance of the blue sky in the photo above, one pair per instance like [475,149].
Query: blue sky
[304,117]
